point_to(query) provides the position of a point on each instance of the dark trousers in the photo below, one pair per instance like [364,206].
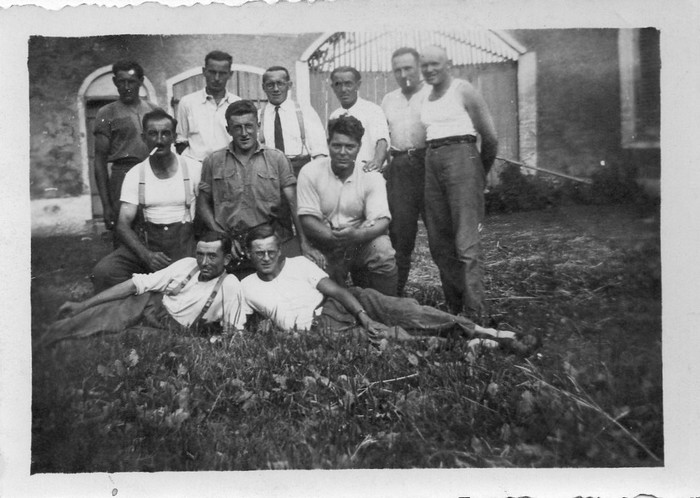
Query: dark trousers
[454,207]
[175,240]
[403,312]
[405,188]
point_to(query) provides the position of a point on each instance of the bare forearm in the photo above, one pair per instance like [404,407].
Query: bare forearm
[205,212]
[316,231]
[380,151]
[371,231]
[119,291]
[102,180]
[132,241]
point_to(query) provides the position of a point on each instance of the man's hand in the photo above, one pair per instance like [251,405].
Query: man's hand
[69,309]
[372,165]
[237,250]
[157,260]
[375,331]
[109,217]
[313,254]
[345,235]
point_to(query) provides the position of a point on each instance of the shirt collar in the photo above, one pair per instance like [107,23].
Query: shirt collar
[259,148]
[205,96]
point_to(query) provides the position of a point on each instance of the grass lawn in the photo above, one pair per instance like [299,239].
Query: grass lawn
[585,279]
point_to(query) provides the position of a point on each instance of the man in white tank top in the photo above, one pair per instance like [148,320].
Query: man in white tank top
[453,114]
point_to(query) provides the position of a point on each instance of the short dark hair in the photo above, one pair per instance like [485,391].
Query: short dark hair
[406,50]
[347,69]
[260,232]
[127,65]
[218,55]
[346,125]
[275,68]
[212,236]
[157,114]
[241,108]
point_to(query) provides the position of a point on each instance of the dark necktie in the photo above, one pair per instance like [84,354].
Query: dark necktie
[279,139]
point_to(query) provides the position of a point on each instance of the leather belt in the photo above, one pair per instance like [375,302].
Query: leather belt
[461,139]
[410,152]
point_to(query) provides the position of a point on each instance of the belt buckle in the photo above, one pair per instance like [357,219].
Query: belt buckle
[410,152]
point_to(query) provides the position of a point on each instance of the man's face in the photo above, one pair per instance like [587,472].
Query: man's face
[406,71]
[244,131]
[276,86]
[128,85]
[345,88]
[159,133]
[216,73]
[265,255]
[343,150]
[435,66]
[211,259]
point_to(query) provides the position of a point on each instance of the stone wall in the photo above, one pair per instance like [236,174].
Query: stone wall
[58,67]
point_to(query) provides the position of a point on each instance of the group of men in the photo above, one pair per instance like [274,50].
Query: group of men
[245,181]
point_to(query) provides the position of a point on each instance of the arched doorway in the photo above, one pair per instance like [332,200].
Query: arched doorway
[96,91]
[246,82]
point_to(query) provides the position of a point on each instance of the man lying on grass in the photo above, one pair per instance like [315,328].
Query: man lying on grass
[295,293]
[191,292]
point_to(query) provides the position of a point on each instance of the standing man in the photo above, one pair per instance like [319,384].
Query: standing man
[201,125]
[118,137]
[285,125]
[243,186]
[453,114]
[346,81]
[157,205]
[406,171]
[345,214]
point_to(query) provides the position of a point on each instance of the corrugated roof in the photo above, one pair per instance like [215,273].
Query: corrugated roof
[371,50]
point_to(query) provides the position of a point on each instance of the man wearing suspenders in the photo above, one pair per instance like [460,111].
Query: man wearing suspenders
[157,206]
[283,124]
[193,293]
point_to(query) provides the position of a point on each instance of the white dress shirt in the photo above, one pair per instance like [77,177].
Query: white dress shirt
[315,135]
[373,120]
[202,123]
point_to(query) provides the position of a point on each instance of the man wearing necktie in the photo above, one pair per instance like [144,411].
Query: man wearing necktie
[287,126]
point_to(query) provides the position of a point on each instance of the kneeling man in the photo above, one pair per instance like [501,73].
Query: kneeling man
[345,212]
[192,292]
[292,291]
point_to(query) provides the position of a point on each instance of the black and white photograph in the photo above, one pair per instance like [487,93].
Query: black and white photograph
[416,250]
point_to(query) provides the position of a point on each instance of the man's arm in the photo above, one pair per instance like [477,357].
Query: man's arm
[307,249]
[317,232]
[369,230]
[204,207]
[102,179]
[380,151]
[329,288]
[479,113]
[154,260]
[119,291]
[183,127]
[315,134]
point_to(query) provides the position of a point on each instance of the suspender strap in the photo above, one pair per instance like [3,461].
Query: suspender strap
[142,190]
[261,138]
[182,284]
[300,120]
[188,188]
[209,302]
[186,180]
